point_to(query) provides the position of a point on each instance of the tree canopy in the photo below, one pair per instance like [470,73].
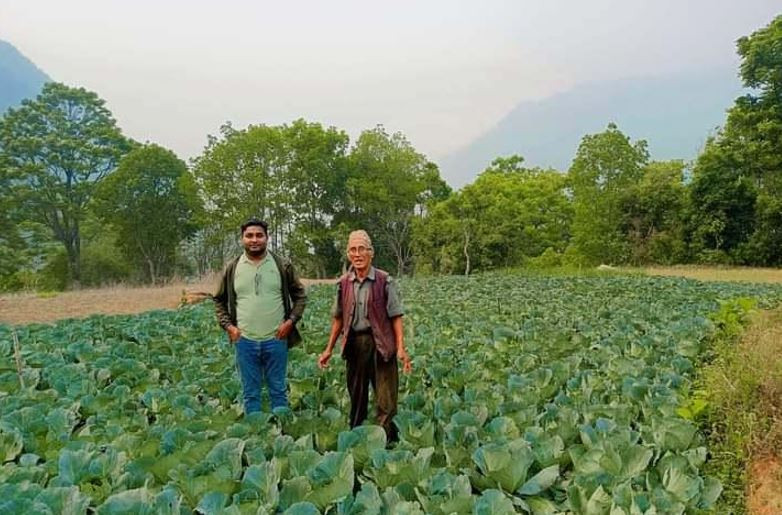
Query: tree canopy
[56,147]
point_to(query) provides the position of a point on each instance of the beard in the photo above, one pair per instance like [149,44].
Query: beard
[255,253]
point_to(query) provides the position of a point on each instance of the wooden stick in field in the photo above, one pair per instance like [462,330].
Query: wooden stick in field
[18,356]
[193,297]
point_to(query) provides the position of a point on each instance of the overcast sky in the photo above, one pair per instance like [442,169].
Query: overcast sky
[442,72]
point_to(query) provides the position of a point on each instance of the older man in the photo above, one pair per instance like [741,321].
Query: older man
[367,315]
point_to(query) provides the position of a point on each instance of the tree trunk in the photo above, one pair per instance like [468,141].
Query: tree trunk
[72,249]
[152,274]
[466,252]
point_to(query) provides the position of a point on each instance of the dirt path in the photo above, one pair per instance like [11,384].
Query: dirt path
[765,490]
[763,342]
[29,307]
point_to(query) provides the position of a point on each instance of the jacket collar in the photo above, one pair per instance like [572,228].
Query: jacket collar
[243,258]
[353,277]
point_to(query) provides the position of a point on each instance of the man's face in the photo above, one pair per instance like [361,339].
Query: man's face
[359,254]
[254,239]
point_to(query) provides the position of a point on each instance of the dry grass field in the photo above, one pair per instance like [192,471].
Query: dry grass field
[761,352]
[25,308]
[713,273]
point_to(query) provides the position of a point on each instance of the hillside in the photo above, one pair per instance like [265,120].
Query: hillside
[19,77]
[675,114]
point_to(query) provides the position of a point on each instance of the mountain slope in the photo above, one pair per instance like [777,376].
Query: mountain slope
[675,114]
[19,77]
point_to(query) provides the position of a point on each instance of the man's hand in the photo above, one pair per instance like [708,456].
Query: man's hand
[285,329]
[404,357]
[233,333]
[323,359]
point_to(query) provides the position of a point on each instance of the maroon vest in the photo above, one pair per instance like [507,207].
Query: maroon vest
[382,329]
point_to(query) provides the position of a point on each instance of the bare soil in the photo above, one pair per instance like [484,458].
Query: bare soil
[763,344]
[765,489]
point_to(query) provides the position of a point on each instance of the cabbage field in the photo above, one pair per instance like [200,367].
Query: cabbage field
[536,395]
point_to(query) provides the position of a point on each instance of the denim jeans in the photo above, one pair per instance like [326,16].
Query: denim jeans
[256,360]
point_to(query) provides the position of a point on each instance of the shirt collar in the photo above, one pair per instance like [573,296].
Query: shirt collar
[247,260]
[370,275]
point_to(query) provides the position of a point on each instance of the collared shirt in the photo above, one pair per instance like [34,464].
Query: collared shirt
[259,306]
[361,289]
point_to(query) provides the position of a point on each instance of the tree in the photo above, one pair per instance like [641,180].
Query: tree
[605,167]
[240,175]
[740,172]
[509,214]
[654,211]
[58,146]
[152,202]
[316,177]
[293,176]
[11,241]
[722,206]
[442,240]
[388,184]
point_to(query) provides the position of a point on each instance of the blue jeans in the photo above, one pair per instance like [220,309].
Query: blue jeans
[255,360]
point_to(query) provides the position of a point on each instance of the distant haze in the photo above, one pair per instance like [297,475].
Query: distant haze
[19,78]
[444,72]
[675,114]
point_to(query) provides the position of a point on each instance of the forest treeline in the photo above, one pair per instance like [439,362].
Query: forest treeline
[82,204]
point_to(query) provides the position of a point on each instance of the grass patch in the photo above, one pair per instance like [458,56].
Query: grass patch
[718,273]
[571,271]
[742,384]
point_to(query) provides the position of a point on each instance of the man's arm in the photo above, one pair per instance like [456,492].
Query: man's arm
[395,310]
[221,302]
[336,329]
[298,295]
[221,308]
[401,352]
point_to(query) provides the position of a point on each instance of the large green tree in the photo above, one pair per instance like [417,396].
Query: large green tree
[738,178]
[57,147]
[654,211]
[607,165]
[242,174]
[389,184]
[293,176]
[152,203]
[509,214]
[722,207]
[316,176]
[11,241]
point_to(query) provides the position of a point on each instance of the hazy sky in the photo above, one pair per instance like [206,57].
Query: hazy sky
[442,72]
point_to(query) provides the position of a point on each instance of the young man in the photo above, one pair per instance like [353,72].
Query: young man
[367,314]
[258,302]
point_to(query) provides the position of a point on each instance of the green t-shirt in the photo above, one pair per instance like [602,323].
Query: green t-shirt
[259,306]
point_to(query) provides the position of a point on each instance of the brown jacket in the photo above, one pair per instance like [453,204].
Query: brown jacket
[294,296]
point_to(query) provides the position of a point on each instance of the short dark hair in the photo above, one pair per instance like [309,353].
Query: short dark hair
[255,221]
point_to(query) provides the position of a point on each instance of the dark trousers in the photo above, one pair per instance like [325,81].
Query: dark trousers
[366,366]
